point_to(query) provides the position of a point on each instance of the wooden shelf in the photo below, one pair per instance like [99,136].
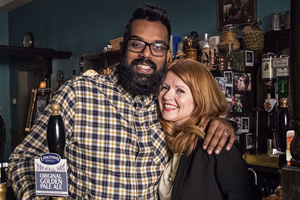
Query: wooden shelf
[21,54]
[100,60]
[33,53]
[275,41]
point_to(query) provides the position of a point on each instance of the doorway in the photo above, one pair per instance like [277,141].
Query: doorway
[29,78]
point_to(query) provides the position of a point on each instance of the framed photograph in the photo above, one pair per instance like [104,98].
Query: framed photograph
[249,141]
[228,93]
[249,58]
[235,11]
[244,124]
[38,101]
[242,81]
[237,103]
[222,83]
[228,76]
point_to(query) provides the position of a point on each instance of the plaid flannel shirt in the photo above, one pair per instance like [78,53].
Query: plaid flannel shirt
[115,147]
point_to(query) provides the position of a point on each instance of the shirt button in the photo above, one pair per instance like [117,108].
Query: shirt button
[139,198]
[138,169]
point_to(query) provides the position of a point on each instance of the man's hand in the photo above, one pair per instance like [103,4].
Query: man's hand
[217,134]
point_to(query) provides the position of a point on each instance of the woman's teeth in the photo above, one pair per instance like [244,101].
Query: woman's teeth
[170,107]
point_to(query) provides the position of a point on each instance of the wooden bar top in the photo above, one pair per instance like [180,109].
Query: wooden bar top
[262,160]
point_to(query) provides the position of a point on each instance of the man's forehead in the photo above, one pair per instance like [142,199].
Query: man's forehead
[149,30]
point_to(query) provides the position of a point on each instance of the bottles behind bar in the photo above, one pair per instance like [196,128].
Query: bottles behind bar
[267,72]
[56,132]
[282,76]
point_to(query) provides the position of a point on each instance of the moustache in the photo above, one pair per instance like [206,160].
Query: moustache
[143,61]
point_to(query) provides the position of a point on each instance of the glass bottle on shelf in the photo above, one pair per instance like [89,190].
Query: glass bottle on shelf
[229,55]
[281,67]
[282,77]
[205,51]
[283,86]
[267,71]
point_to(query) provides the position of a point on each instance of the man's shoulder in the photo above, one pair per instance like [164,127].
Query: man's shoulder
[94,78]
[90,73]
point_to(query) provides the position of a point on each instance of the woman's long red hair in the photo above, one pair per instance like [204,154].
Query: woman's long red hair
[209,102]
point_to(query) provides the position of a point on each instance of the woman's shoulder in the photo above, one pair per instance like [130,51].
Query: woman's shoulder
[234,153]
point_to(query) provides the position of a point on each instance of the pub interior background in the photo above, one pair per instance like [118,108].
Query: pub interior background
[83,28]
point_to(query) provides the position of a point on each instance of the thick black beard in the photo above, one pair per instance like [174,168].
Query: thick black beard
[136,83]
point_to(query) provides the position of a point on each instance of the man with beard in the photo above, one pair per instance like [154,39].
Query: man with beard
[115,146]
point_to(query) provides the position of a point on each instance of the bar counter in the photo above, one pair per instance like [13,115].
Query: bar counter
[262,160]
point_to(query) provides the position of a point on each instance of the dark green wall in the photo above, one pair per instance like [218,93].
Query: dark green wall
[4,78]
[84,26]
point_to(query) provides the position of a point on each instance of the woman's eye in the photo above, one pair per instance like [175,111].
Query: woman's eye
[180,91]
[164,88]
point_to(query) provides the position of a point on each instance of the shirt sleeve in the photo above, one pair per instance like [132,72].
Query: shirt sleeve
[231,120]
[21,161]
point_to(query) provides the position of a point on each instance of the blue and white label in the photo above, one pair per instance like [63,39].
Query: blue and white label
[51,175]
[50,159]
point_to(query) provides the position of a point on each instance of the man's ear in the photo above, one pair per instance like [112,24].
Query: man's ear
[169,56]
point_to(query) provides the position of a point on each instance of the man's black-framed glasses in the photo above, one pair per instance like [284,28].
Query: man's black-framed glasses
[156,48]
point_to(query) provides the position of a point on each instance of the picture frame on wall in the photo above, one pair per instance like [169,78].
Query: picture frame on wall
[228,93]
[244,124]
[242,81]
[221,81]
[249,58]
[228,76]
[235,11]
[249,141]
[236,104]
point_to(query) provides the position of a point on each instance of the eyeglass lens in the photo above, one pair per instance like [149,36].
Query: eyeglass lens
[157,49]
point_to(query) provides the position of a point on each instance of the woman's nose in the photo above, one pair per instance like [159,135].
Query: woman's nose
[168,95]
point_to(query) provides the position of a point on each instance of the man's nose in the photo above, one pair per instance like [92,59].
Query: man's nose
[146,52]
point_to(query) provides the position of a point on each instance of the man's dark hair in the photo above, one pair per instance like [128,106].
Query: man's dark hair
[151,13]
